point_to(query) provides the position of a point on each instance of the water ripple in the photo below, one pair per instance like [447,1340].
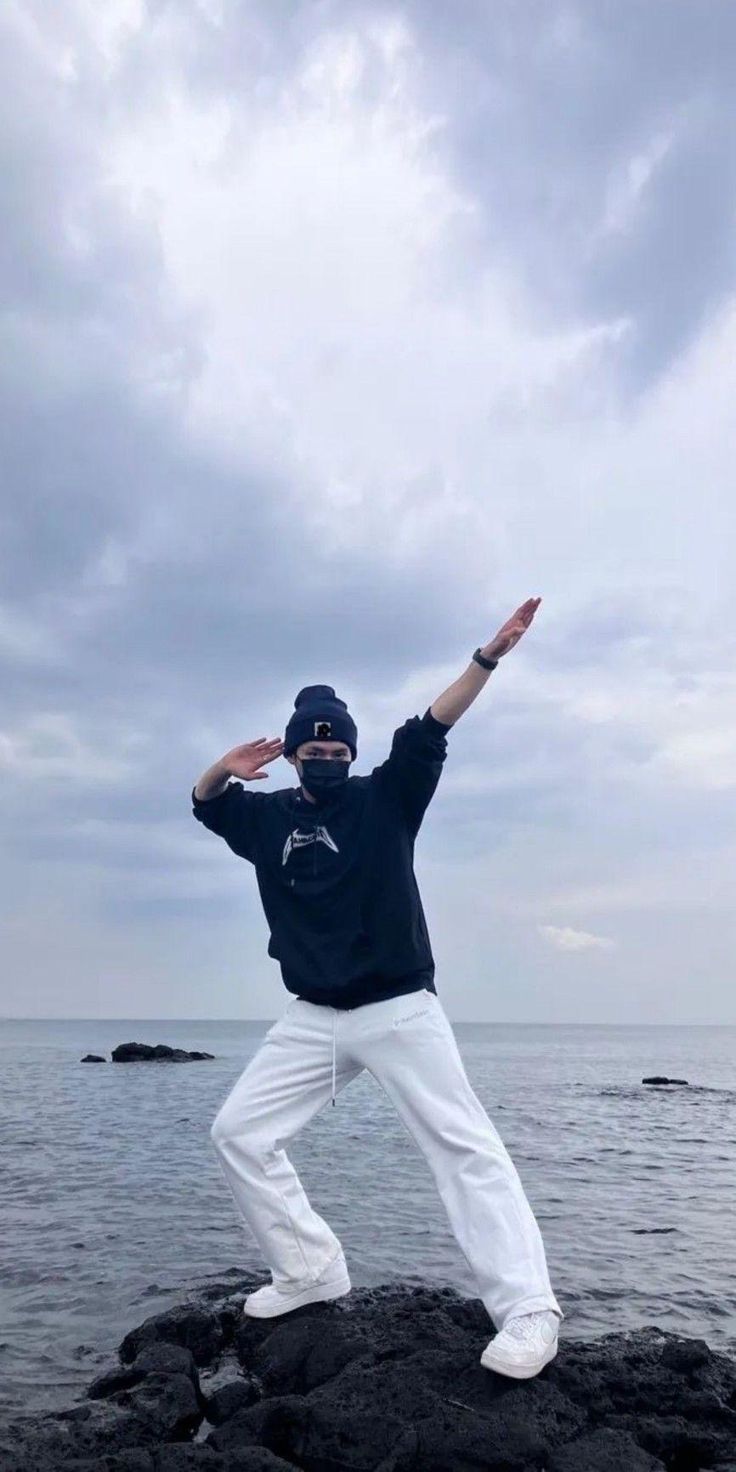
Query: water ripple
[114,1205]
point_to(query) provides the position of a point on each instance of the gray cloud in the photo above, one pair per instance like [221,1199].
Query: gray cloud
[231,471]
[543,105]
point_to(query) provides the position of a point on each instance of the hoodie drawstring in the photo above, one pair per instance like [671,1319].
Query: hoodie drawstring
[334,1030]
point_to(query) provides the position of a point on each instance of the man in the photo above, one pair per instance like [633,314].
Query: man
[334,866]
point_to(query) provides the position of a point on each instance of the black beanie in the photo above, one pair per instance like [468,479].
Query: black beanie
[320,716]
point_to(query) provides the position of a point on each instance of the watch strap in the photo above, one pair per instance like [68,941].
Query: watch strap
[487,664]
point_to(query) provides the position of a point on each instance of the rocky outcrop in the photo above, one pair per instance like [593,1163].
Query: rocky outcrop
[135,1052]
[93,1058]
[386,1380]
[657,1079]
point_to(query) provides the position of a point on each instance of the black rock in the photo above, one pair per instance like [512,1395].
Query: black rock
[657,1080]
[195,1328]
[159,1357]
[162,1408]
[235,1395]
[245,1459]
[165,1404]
[606,1450]
[93,1058]
[684,1355]
[387,1379]
[136,1052]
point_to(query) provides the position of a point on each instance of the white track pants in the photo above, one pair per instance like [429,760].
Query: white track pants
[407,1043]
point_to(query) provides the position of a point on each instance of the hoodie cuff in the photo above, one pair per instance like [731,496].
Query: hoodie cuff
[207,800]
[432,724]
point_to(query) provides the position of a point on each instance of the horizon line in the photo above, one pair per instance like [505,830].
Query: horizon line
[475,1021]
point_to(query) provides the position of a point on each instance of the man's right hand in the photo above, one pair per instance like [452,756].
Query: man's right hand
[247,761]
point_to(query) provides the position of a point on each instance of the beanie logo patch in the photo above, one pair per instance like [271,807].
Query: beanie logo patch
[323,730]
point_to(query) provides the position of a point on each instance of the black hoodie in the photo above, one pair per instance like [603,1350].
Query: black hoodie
[336,878]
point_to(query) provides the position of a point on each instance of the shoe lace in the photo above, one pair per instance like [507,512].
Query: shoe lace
[524,1326]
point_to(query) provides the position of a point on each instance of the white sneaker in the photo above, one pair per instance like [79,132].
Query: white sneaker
[524,1346]
[268,1302]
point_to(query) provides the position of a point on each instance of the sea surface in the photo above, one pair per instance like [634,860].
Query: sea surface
[113,1205]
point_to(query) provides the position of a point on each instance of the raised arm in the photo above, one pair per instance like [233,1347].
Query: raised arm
[454,701]
[225,807]
[212,783]
[246,761]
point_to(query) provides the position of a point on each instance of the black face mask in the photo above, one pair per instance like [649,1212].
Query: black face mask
[323,776]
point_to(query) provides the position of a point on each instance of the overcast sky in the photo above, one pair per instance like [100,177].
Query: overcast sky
[331,333]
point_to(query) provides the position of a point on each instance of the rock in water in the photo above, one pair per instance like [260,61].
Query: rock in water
[136,1052]
[656,1079]
[93,1058]
[387,1379]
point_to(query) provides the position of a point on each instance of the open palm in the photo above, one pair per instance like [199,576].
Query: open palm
[248,760]
[510,633]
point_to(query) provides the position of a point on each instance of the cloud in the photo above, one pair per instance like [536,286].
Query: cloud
[627,184]
[323,248]
[333,333]
[567,939]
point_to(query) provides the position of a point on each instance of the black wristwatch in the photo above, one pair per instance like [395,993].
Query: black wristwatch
[488,664]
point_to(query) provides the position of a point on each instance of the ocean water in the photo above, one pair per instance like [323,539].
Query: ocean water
[113,1205]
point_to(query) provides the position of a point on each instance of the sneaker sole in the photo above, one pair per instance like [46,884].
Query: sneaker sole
[517,1372]
[316,1293]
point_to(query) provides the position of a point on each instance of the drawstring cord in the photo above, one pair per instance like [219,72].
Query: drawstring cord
[334,1029]
[334,1013]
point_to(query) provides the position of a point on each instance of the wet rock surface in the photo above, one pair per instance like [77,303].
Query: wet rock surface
[154,1052]
[386,1380]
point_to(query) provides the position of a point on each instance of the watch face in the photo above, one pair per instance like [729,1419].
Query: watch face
[323,730]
